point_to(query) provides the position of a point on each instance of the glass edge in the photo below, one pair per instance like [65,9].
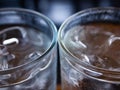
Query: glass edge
[53,42]
[66,50]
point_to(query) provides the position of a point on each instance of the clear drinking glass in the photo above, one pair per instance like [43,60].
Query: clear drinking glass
[27,50]
[89,44]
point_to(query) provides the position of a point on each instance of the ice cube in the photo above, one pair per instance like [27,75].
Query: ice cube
[109,57]
[112,44]
[11,38]
[16,30]
[74,77]
[96,41]
[30,57]
[33,55]
[36,37]
[5,56]
[106,54]
[12,35]
[96,61]
[71,75]
[103,61]
[74,40]
[3,50]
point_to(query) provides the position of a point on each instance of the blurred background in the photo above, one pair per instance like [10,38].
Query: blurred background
[58,10]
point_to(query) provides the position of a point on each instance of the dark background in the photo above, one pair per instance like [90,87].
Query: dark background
[58,10]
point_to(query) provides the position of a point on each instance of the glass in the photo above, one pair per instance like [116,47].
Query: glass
[89,43]
[27,50]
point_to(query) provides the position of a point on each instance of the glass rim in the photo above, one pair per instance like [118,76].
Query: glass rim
[85,66]
[52,43]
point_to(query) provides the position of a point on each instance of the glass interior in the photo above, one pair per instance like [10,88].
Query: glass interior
[91,38]
[26,37]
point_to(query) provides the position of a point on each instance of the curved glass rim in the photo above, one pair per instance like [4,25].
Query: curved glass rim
[52,44]
[86,66]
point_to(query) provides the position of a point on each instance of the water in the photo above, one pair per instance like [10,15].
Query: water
[19,45]
[96,44]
